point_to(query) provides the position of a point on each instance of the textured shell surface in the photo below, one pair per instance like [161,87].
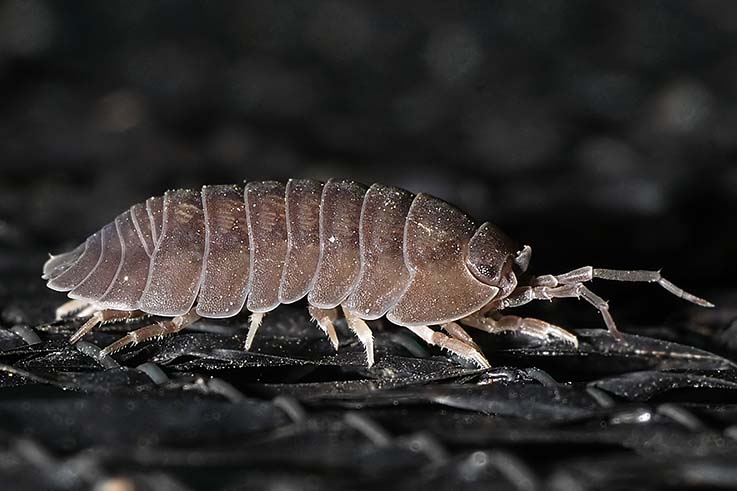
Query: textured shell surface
[176,266]
[384,274]
[225,282]
[375,251]
[303,197]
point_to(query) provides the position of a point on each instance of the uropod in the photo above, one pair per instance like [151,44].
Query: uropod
[367,252]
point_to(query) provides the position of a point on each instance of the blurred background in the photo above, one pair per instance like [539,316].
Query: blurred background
[600,133]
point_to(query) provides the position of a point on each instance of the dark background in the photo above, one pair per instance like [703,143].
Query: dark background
[600,133]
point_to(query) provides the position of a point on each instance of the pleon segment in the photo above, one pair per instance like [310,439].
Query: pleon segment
[267,225]
[56,265]
[127,287]
[155,210]
[340,259]
[142,223]
[384,275]
[77,273]
[97,283]
[225,280]
[176,267]
[303,238]
[442,289]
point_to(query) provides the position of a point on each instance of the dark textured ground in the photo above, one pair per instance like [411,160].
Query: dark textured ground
[600,133]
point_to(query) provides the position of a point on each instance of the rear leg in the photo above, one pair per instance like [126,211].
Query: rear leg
[535,328]
[363,332]
[325,319]
[87,311]
[69,308]
[158,330]
[103,316]
[460,348]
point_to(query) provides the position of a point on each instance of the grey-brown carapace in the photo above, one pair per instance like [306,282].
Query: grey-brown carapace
[369,252]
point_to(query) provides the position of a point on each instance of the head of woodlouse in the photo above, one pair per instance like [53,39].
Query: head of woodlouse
[493,258]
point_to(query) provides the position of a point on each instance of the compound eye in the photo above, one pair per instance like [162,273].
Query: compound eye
[489,252]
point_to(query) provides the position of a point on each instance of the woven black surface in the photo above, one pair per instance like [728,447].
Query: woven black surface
[194,411]
[601,133]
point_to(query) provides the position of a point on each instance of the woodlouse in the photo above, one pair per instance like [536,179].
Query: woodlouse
[370,251]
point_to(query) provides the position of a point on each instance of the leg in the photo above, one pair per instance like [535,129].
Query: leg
[453,345]
[363,332]
[71,307]
[158,330]
[325,319]
[525,295]
[457,332]
[102,316]
[87,311]
[528,326]
[255,323]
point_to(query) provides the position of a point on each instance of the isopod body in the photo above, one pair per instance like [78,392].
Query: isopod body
[370,251]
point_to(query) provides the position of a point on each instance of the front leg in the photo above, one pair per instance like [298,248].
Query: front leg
[527,294]
[453,345]
[457,332]
[535,328]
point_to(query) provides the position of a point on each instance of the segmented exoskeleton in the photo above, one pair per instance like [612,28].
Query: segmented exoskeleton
[369,251]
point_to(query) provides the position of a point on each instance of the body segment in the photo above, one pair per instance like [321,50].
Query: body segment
[176,266]
[442,288]
[227,257]
[130,280]
[75,273]
[155,211]
[384,274]
[340,257]
[303,197]
[94,286]
[142,222]
[267,225]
